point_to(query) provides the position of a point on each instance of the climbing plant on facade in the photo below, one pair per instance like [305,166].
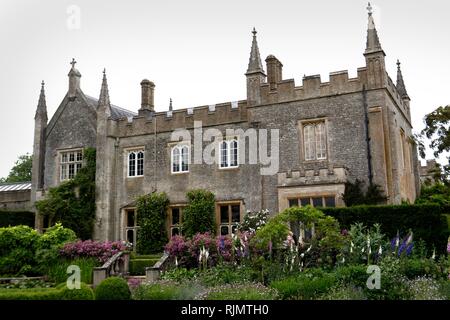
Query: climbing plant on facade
[199,213]
[72,203]
[151,215]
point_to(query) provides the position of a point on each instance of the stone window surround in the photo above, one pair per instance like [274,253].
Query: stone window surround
[127,228]
[169,220]
[302,123]
[323,196]
[312,191]
[228,140]
[227,203]
[180,144]
[59,153]
[127,151]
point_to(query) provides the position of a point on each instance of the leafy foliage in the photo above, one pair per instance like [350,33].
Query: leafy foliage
[151,214]
[15,218]
[426,221]
[73,202]
[253,220]
[21,172]
[198,216]
[354,195]
[17,248]
[438,193]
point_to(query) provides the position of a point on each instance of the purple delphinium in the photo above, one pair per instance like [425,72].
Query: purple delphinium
[409,248]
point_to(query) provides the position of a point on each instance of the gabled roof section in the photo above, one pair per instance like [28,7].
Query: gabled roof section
[116,112]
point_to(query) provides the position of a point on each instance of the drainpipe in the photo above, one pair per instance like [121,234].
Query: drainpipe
[366,127]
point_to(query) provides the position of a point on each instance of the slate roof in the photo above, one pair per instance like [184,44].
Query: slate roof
[18,186]
[116,112]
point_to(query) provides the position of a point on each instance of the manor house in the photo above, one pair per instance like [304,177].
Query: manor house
[329,133]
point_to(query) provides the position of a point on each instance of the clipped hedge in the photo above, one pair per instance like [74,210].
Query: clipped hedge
[426,221]
[15,218]
[137,266]
[59,293]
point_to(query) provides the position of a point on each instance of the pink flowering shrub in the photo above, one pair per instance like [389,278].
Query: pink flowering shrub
[200,241]
[92,249]
[224,248]
[192,252]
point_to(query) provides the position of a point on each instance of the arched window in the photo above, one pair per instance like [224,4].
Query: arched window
[132,164]
[315,141]
[229,154]
[309,142]
[140,163]
[136,163]
[180,159]
[185,159]
[321,143]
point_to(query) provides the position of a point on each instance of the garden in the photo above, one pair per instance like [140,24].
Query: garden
[299,254]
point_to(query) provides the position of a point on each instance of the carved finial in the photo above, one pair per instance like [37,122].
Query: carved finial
[369,9]
[42,84]
[398,64]
[254,32]
[73,63]
[170,105]
[104,71]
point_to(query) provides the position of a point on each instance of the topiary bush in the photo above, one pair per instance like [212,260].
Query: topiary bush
[84,293]
[113,288]
[198,216]
[151,215]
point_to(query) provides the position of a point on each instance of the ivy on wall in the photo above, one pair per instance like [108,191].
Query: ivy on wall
[198,216]
[151,215]
[72,203]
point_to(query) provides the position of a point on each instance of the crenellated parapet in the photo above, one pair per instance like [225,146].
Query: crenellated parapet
[335,175]
[168,121]
[313,87]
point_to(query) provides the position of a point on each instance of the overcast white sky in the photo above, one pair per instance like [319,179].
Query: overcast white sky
[197,51]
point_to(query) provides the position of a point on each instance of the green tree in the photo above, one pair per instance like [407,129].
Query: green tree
[21,172]
[437,131]
[72,203]
[354,195]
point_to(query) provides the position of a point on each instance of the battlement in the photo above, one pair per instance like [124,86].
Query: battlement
[313,87]
[336,175]
[168,121]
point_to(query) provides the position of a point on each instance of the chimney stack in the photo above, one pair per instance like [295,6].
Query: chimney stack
[274,71]
[147,100]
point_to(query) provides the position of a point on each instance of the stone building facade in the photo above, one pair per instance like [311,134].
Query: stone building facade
[329,133]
